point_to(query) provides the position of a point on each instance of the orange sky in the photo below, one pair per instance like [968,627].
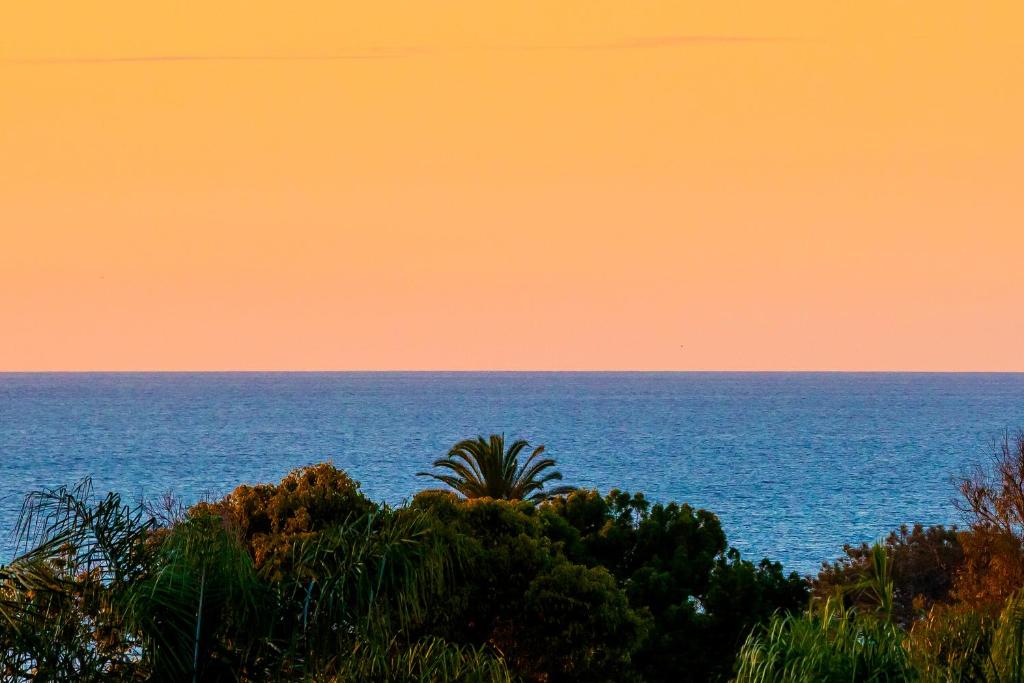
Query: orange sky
[548,185]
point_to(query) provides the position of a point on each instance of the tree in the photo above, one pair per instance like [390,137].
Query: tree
[553,619]
[576,623]
[674,563]
[270,519]
[482,468]
[993,502]
[995,497]
[64,612]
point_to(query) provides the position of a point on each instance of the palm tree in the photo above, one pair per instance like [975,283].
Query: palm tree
[481,468]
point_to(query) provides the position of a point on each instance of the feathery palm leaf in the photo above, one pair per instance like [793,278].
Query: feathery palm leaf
[62,597]
[483,468]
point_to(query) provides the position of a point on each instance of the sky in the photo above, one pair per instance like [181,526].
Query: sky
[529,185]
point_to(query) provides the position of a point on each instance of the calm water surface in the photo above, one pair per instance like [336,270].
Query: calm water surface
[794,464]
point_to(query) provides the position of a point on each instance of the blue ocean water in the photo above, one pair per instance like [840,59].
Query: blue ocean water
[795,464]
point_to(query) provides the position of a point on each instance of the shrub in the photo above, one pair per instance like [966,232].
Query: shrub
[924,563]
[554,620]
[831,645]
[575,621]
[270,518]
[674,563]
[951,643]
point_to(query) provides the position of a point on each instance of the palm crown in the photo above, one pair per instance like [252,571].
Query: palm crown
[482,468]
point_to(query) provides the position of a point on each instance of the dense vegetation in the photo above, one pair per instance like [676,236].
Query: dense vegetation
[931,604]
[501,579]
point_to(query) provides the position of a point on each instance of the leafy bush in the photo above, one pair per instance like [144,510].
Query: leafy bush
[576,622]
[924,565]
[64,607]
[951,643]
[252,593]
[992,570]
[552,619]
[270,519]
[674,564]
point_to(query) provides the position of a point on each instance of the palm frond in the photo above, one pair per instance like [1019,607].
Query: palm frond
[480,468]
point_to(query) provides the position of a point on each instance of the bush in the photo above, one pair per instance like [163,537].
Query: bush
[923,562]
[514,589]
[674,563]
[270,518]
[992,570]
[951,643]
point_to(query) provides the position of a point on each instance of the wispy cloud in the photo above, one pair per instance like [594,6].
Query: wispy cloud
[652,42]
[642,43]
[132,59]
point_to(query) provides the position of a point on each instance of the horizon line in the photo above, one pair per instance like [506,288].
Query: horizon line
[508,372]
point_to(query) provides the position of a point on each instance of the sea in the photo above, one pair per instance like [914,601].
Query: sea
[794,464]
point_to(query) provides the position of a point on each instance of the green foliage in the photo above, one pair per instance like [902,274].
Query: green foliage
[199,591]
[674,564]
[837,644]
[377,575]
[270,519]
[1007,654]
[960,643]
[63,601]
[308,580]
[430,660]
[482,468]
[107,594]
[834,644]
[951,643]
[501,551]
[551,619]
[923,566]
[574,621]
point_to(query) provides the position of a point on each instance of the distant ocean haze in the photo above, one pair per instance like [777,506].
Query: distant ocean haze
[795,464]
